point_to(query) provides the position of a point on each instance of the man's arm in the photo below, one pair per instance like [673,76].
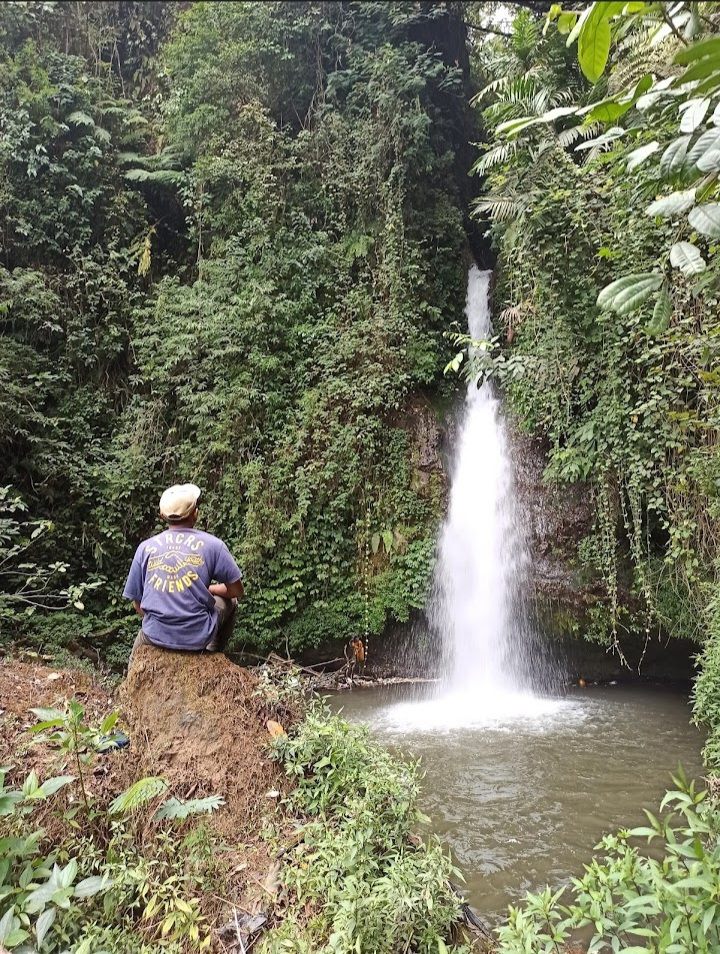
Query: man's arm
[230,591]
[134,584]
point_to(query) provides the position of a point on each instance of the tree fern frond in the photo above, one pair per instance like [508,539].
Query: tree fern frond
[495,156]
[140,793]
[165,177]
[179,809]
[573,134]
[501,208]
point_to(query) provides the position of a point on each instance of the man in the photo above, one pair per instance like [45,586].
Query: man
[170,580]
[354,657]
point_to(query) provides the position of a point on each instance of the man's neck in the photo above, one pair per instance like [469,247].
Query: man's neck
[181,526]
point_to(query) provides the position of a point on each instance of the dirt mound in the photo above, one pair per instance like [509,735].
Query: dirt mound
[197,720]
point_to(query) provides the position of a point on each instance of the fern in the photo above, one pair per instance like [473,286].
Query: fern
[140,793]
[179,809]
[499,207]
[79,118]
[572,134]
[166,177]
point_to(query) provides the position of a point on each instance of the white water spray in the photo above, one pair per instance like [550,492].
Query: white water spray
[477,612]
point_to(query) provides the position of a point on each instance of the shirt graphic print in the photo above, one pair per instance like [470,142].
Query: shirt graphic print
[170,576]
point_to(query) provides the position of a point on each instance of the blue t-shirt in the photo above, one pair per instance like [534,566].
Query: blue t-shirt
[170,576]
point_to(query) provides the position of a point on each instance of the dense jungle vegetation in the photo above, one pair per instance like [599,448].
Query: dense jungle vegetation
[234,237]
[601,178]
[232,242]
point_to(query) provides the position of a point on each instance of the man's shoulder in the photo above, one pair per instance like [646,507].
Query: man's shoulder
[148,544]
[210,540]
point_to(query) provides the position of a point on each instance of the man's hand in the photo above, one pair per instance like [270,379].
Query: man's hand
[230,591]
[138,608]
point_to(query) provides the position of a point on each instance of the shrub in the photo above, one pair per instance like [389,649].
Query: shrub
[666,900]
[367,880]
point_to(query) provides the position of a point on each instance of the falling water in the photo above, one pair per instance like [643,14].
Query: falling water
[478,606]
[495,668]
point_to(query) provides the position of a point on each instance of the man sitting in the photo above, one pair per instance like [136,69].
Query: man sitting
[170,581]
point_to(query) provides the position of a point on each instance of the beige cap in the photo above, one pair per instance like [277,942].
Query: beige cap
[178,502]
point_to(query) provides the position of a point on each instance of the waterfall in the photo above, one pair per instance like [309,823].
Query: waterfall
[478,606]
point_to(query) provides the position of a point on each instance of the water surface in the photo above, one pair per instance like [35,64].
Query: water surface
[521,799]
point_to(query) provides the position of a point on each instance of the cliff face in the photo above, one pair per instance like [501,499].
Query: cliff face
[556,518]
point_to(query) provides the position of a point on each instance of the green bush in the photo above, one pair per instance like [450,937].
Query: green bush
[106,875]
[664,901]
[368,881]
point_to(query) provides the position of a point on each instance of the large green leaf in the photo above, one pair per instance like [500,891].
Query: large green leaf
[709,47]
[579,24]
[673,159]
[662,313]
[512,126]
[613,108]
[594,43]
[710,162]
[43,924]
[687,257]
[627,294]
[706,219]
[91,886]
[672,205]
[701,69]
[639,155]
[710,139]
[693,113]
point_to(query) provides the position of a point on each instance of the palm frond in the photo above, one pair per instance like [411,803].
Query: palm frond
[501,208]
[179,809]
[568,137]
[496,156]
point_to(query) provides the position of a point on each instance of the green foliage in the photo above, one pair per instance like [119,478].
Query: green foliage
[604,220]
[124,877]
[609,296]
[662,900]
[280,378]
[242,279]
[706,692]
[367,879]
[104,870]
[139,794]
[28,586]
[37,895]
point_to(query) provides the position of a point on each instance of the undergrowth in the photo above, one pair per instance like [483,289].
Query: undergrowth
[141,873]
[359,877]
[80,875]
[665,900]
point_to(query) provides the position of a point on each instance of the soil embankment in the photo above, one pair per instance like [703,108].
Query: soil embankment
[199,722]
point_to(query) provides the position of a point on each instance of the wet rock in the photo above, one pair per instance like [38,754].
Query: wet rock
[555,519]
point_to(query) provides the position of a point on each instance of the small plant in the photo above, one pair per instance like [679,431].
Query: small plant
[68,731]
[174,809]
[665,901]
[34,888]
